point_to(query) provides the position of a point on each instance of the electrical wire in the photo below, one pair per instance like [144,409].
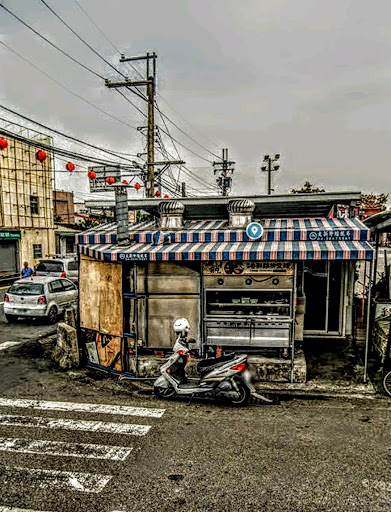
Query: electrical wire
[60,151]
[57,132]
[51,44]
[115,69]
[66,88]
[138,72]
[90,47]
[182,131]
[96,26]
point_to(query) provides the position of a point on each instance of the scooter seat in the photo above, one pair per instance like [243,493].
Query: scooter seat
[207,364]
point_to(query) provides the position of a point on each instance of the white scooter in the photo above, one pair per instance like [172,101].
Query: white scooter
[224,377]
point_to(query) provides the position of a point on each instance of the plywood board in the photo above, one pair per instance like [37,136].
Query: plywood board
[100,289]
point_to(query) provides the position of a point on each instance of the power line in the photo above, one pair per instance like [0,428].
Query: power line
[96,26]
[66,88]
[57,132]
[57,150]
[51,44]
[89,46]
[140,74]
[184,133]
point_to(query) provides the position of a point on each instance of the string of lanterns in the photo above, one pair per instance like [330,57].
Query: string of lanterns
[41,156]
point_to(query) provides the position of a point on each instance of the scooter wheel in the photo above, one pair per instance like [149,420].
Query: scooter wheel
[244,395]
[163,392]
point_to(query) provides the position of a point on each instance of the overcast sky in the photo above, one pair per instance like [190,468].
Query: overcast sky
[309,79]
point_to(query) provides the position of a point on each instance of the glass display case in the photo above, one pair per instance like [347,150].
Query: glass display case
[270,303]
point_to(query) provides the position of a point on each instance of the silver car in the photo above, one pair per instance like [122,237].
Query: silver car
[39,296]
[58,267]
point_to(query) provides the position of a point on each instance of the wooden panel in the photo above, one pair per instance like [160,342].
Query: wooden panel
[109,350]
[100,289]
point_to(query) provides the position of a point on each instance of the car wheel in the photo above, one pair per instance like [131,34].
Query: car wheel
[52,315]
[10,318]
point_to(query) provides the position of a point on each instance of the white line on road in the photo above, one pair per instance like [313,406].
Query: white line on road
[81,425]
[8,344]
[1,303]
[42,405]
[44,478]
[7,509]
[62,449]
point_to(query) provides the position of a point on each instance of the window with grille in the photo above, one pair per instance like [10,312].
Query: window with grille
[34,205]
[37,250]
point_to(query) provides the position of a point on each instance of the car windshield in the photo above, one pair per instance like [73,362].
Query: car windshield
[50,266]
[26,289]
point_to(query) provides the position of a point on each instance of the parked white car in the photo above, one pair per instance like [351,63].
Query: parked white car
[58,267]
[39,296]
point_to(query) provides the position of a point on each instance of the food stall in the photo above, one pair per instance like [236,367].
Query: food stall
[239,293]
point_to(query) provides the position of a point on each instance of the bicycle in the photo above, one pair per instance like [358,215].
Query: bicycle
[387,383]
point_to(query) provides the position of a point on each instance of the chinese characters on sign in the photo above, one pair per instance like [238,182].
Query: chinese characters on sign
[334,235]
[248,267]
[123,256]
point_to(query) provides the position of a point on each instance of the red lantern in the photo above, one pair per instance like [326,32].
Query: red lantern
[137,186]
[157,193]
[125,182]
[70,167]
[110,180]
[41,155]
[166,196]
[91,175]
[3,144]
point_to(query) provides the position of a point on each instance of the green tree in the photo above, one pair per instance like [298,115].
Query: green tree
[307,188]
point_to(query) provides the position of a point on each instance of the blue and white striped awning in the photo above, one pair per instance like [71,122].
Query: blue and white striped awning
[275,230]
[282,239]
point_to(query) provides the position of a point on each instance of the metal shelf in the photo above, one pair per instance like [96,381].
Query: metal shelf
[259,304]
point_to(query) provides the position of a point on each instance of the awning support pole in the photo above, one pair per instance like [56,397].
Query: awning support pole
[367,335]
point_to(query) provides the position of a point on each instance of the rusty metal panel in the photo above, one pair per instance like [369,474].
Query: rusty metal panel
[162,313]
[239,282]
[172,279]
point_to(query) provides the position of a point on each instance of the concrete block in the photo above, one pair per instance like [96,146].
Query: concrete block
[66,350]
[263,369]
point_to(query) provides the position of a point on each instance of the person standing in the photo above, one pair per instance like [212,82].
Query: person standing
[26,270]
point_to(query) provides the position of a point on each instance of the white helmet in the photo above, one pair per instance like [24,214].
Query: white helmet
[181,326]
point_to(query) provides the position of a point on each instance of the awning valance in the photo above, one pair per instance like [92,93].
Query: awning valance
[282,239]
[281,250]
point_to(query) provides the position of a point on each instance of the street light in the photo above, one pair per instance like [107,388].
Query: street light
[270,164]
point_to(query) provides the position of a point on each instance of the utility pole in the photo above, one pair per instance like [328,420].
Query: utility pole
[183,189]
[270,164]
[150,84]
[224,167]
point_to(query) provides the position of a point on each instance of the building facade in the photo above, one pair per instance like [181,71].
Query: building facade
[26,203]
[260,294]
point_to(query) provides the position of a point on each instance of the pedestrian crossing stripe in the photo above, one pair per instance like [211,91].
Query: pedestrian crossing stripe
[42,405]
[9,344]
[74,481]
[63,449]
[75,425]
[8,509]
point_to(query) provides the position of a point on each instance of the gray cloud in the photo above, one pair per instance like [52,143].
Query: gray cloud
[308,79]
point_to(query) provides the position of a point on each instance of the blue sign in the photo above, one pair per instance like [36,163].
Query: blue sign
[254,230]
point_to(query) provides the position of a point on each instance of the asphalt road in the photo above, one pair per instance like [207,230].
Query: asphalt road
[332,455]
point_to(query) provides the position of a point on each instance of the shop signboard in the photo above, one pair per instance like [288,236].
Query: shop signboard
[123,256]
[99,183]
[330,235]
[248,267]
[10,235]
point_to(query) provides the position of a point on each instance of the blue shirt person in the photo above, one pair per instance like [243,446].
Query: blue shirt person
[26,270]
